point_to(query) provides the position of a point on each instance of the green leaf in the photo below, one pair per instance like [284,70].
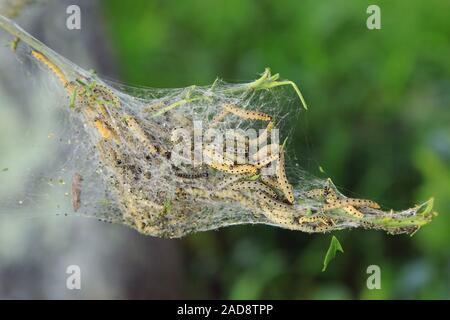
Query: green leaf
[72,98]
[81,82]
[284,143]
[14,43]
[92,85]
[331,253]
[167,206]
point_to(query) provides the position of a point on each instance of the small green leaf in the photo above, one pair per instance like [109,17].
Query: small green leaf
[213,86]
[321,169]
[284,143]
[14,43]
[72,99]
[167,205]
[92,85]
[81,82]
[331,253]
[426,208]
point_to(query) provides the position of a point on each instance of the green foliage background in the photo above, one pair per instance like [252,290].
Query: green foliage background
[378,123]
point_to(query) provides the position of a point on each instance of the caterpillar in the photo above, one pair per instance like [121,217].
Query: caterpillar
[351,202]
[253,186]
[315,193]
[53,67]
[322,228]
[270,181]
[318,218]
[345,204]
[237,169]
[266,198]
[283,182]
[247,114]
[279,218]
[353,212]
[76,191]
[266,161]
[103,129]
[192,175]
[243,139]
[231,179]
[330,194]
[236,147]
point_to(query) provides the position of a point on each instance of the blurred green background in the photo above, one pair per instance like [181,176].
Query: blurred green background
[378,123]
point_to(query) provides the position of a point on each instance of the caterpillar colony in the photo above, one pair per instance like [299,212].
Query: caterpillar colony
[131,135]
